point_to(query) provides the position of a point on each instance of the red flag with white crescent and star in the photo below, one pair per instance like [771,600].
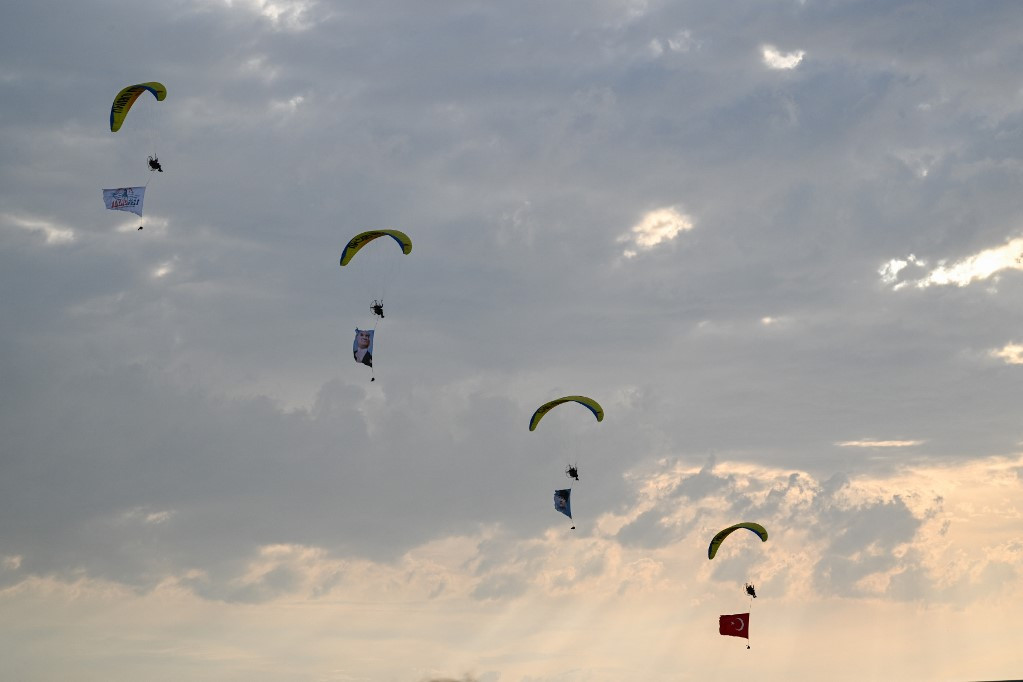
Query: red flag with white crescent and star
[734,625]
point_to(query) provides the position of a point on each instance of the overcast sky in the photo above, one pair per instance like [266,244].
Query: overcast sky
[779,242]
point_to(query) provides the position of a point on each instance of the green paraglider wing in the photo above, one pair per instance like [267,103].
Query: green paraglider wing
[589,403]
[720,537]
[360,240]
[126,97]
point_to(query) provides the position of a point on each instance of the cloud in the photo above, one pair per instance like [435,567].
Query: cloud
[163,269]
[145,516]
[207,431]
[778,60]
[287,107]
[703,483]
[285,15]
[963,272]
[859,537]
[500,586]
[879,443]
[53,232]
[890,271]
[1011,353]
[851,534]
[655,228]
[682,41]
[856,534]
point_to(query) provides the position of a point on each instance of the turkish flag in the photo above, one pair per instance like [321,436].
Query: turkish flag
[735,625]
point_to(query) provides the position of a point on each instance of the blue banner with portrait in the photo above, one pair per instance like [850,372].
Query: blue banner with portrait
[561,501]
[362,346]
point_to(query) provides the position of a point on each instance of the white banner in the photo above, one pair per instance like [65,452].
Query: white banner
[125,199]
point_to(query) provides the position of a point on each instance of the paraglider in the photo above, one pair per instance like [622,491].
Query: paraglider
[360,240]
[373,274]
[126,97]
[572,470]
[131,198]
[589,403]
[716,541]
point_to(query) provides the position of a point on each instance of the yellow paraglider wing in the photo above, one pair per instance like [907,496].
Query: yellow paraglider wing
[589,403]
[125,98]
[360,240]
[720,537]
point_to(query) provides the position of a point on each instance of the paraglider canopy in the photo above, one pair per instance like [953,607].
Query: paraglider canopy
[126,97]
[722,534]
[363,238]
[589,403]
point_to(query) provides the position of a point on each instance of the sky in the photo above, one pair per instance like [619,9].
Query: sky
[781,243]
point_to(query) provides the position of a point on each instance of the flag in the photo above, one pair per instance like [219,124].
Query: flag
[125,199]
[362,346]
[734,625]
[561,502]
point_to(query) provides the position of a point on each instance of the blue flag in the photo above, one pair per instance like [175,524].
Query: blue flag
[561,502]
[362,346]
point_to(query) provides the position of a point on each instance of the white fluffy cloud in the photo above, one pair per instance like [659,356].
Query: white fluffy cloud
[783,61]
[977,267]
[655,228]
[1011,353]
